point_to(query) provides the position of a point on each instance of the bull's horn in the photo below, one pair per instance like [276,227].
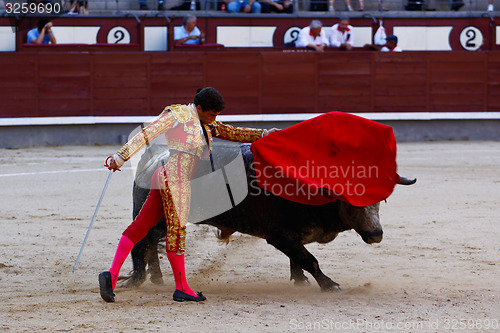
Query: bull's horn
[407,181]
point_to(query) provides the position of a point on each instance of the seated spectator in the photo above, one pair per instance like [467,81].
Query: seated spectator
[277,6]
[76,7]
[342,35]
[245,6]
[37,2]
[456,4]
[143,5]
[42,34]
[328,5]
[381,6]
[186,5]
[312,37]
[188,33]
[391,45]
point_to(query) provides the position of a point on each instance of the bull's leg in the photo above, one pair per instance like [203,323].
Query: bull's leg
[297,274]
[154,265]
[299,254]
[139,264]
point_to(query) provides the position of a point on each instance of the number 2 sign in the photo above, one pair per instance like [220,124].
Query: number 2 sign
[471,38]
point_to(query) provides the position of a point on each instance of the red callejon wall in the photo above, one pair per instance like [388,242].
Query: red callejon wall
[253,82]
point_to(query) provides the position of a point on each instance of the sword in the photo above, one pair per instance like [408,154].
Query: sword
[93,219]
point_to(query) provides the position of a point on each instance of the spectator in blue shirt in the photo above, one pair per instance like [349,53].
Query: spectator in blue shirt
[245,6]
[42,34]
[143,5]
[188,33]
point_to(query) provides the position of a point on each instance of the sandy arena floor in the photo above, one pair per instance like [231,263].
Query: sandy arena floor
[437,268]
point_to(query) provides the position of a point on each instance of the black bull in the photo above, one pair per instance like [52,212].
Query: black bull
[284,224]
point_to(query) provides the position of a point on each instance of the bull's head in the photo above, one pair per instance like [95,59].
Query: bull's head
[366,220]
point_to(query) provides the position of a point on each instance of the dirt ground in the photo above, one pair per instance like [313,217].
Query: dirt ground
[436,270]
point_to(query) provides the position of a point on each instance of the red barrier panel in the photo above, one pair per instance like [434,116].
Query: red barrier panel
[258,82]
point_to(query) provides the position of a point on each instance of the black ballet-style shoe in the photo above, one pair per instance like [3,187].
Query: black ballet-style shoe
[106,287]
[180,296]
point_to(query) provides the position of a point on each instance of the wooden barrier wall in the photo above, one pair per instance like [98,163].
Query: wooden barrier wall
[266,82]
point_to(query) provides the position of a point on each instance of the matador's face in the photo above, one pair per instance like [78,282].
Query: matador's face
[206,117]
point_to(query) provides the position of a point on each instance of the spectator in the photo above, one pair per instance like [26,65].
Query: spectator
[391,45]
[277,6]
[490,6]
[324,5]
[381,6]
[312,37]
[456,4]
[37,2]
[187,5]
[188,33]
[42,34]
[342,35]
[78,7]
[143,4]
[245,6]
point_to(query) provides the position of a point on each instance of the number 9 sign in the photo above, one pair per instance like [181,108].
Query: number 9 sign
[118,35]
[471,38]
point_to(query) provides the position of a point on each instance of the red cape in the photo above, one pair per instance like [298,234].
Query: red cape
[353,159]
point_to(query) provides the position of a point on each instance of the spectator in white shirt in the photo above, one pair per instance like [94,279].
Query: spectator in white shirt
[391,45]
[312,37]
[342,35]
[490,6]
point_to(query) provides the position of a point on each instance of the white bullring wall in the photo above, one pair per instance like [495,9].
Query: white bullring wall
[7,39]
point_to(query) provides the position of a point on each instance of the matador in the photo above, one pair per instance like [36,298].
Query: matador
[189,130]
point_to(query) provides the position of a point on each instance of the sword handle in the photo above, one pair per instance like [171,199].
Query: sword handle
[107,165]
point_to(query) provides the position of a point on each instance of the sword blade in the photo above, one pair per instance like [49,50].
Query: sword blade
[93,219]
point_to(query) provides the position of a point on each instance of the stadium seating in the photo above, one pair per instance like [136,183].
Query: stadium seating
[112,6]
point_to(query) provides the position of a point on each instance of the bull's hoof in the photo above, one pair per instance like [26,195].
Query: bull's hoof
[302,282]
[106,287]
[156,279]
[331,287]
[180,296]
[133,283]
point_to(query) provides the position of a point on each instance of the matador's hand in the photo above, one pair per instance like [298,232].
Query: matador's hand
[114,162]
[269,131]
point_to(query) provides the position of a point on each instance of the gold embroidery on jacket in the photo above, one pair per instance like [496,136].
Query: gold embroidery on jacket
[190,140]
[238,134]
[160,125]
[182,113]
[176,196]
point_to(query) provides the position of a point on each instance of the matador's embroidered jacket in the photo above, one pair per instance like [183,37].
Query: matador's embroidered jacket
[183,131]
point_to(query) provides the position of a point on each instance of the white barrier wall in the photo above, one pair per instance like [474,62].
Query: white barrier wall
[155,39]
[7,39]
[76,35]
[411,38]
[423,38]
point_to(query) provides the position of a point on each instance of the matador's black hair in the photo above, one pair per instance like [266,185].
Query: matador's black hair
[209,99]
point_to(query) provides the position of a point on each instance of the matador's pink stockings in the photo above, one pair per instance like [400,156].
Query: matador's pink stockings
[177,263]
[125,245]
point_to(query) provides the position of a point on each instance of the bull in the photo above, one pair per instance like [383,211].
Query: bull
[286,225]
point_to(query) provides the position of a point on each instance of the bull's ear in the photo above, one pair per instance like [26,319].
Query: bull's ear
[407,181]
